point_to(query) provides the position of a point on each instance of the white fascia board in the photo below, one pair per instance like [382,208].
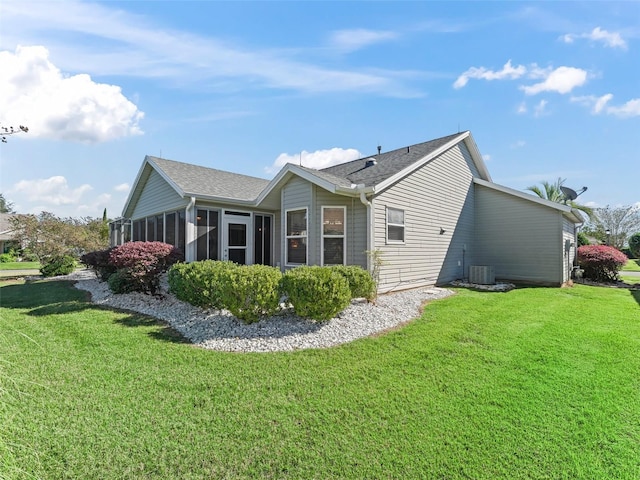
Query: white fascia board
[565,209]
[470,142]
[416,165]
[225,200]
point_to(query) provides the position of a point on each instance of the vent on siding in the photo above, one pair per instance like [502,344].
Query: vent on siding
[482,275]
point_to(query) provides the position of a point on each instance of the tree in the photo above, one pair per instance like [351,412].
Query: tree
[619,222]
[104,228]
[5,206]
[6,131]
[634,245]
[46,236]
[553,193]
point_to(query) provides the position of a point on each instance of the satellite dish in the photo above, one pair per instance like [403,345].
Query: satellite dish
[569,193]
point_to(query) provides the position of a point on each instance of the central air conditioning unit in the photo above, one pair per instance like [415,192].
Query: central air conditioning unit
[482,275]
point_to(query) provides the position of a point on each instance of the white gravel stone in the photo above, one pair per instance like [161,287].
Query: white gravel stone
[219,330]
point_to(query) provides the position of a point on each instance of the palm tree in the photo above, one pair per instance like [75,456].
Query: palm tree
[553,192]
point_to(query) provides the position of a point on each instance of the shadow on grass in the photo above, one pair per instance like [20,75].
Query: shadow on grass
[59,298]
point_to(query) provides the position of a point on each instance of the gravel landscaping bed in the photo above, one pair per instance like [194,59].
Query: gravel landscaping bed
[219,330]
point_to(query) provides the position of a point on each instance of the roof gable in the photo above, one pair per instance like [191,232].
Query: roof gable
[380,169]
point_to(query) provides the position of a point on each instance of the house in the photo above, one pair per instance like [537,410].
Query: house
[7,241]
[430,210]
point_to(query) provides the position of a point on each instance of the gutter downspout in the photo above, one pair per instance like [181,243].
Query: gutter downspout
[189,253]
[370,241]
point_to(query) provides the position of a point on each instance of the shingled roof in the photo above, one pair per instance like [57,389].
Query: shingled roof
[386,164]
[194,180]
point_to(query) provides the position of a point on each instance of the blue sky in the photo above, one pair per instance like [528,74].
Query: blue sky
[548,90]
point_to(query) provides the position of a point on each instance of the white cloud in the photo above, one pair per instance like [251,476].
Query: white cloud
[486,157]
[54,105]
[356,39]
[522,108]
[599,105]
[96,206]
[561,80]
[540,109]
[609,39]
[628,109]
[123,187]
[508,72]
[317,159]
[131,45]
[53,191]
[518,144]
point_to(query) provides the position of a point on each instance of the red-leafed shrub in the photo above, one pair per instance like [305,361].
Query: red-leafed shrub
[600,262]
[99,261]
[141,263]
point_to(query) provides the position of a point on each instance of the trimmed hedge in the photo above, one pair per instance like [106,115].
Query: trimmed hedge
[55,266]
[600,262]
[316,292]
[200,283]
[361,283]
[634,245]
[143,263]
[99,262]
[250,291]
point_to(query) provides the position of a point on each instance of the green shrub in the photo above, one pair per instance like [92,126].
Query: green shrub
[200,283]
[634,245]
[55,266]
[583,239]
[121,282]
[250,291]
[6,258]
[316,292]
[361,282]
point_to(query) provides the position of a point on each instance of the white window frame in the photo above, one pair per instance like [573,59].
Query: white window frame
[343,236]
[403,225]
[288,237]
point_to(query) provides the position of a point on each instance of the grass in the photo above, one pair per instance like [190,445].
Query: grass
[534,383]
[20,266]
[633,265]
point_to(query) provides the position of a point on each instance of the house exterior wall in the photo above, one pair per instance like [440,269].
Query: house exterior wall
[156,197]
[438,195]
[521,239]
[356,227]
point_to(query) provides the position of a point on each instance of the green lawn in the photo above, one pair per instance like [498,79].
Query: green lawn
[633,265]
[20,266]
[534,383]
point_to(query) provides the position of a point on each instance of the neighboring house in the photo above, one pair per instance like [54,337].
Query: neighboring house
[430,210]
[6,233]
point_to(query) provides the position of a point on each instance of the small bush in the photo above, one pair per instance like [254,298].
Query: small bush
[250,291]
[200,283]
[6,258]
[583,239]
[361,282]
[144,263]
[316,292]
[600,262]
[120,282]
[634,245]
[55,266]
[99,262]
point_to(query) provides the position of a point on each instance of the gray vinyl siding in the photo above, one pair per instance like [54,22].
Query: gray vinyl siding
[521,239]
[569,247]
[297,193]
[356,227]
[438,195]
[157,196]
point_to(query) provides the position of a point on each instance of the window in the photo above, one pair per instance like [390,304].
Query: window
[262,239]
[207,241]
[296,236]
[170,231]
[395,225]
[139,230]
[151,229]
[333,235]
